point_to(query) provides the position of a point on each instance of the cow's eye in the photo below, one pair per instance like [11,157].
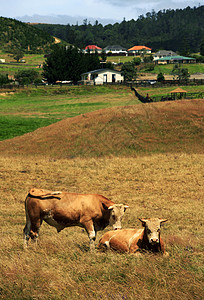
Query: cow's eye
[148,231]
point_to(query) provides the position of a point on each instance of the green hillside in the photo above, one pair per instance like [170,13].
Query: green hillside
[179,30]
[15,34]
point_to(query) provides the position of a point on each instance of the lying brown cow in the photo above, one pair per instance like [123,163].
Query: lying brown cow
[62,209]
[135,240]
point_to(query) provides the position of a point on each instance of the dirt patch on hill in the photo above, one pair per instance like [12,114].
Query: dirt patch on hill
[130,130]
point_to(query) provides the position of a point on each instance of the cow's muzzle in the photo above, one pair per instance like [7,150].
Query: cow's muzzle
[154,241]
[117,228]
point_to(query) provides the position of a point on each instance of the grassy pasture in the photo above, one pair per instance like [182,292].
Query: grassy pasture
[167,69]
[11,66]
[31,108]
[37,107]
[168,186]
[148,156]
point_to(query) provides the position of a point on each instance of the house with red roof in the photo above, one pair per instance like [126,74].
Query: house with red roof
[92,49]
[139,50]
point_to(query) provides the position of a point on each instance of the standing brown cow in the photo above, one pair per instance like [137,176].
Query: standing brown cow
[62,209]
[134,240]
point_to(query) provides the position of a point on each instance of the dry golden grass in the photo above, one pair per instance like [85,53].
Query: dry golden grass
[60,267]
[116,153]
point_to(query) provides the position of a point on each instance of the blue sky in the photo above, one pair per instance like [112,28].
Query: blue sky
[103,9]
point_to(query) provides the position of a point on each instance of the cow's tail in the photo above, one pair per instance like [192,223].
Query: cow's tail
[27,227]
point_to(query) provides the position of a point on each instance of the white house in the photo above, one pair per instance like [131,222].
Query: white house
[115,49]
[102,76]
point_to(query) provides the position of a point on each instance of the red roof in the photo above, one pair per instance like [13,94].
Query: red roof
[136,48]
[93,47]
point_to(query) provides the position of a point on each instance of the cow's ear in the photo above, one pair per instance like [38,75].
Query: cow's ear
[143,221]
[125,207]
[162,220]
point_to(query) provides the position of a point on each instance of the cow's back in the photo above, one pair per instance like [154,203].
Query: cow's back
[121,240]
[68,207]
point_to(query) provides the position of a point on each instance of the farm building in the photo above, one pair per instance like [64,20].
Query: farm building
[102,76]
[164,53]
[175,59]
[139,50]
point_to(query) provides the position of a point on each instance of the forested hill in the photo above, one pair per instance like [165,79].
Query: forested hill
[167,29]
[15,34]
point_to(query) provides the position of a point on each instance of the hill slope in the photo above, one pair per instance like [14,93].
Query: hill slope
[145,128]
[16,34]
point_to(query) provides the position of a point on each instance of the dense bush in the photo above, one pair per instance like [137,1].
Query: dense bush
[25,77]
[4,79]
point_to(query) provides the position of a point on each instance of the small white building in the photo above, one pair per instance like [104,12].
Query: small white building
[115,49]
[102,76]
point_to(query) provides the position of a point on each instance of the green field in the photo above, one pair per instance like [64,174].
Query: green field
[36,60]
[167,69]
[31,108]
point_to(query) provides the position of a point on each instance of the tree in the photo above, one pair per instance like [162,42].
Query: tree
[128,71]
[180,73]
[103,56]
[148,58]
[68,64]
[4,79]
[202,48]
[160,77]
[26,77]
[136,61]
[17,54]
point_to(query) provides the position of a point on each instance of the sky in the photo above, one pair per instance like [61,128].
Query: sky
[103,9]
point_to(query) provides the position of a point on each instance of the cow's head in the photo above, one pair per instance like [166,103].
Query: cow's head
[116,215]
[152,229]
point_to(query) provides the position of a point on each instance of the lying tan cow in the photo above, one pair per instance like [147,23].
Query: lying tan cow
[62,209]
[135,240]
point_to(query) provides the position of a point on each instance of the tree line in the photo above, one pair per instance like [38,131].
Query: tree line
[178,30]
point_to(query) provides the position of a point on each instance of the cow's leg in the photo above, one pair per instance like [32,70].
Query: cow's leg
[26,231]
[91,234]
[92,238]
[31,230]
[35,228]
